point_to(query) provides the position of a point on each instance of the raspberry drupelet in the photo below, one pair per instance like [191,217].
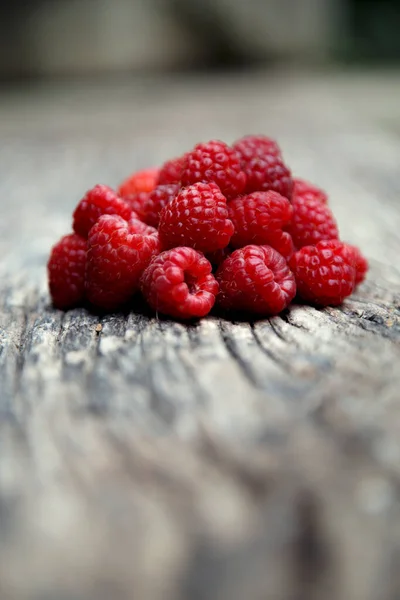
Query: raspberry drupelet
[255,279]
[215,162]
[325,274]
[66,271]
[116,258]
[179,283]
[196,217]
[100,200]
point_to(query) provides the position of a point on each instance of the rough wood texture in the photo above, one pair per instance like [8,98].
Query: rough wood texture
[151,460]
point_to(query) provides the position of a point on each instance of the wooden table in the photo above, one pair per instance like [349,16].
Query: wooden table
[147,459]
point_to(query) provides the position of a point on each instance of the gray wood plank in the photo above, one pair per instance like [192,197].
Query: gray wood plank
[143,458]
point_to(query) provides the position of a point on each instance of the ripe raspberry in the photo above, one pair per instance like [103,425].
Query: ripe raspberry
[257,215]
[361,263]
[179,283]
[196,217]
[171,171]
[141,181]
[305,188]
[66,271]
[100,200]
[325,273]
[312,222]
[251,146]
[268,172]
[156,200]
[255,279]
[136,202]
[116,259]
[214,162]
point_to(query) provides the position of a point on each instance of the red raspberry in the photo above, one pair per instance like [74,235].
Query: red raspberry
[255,279]
[214,162]
[305,188]
[66,271]
[137,202]
[179,283]
[251,146]
[116,259]
[312,222]
[268,172]
[100,200]
[325,273]
[257,215]
[141,181]
[196,217]
[156,200]
[361,263]
[171,171]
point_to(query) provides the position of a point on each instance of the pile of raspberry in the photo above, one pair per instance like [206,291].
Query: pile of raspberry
[221,225]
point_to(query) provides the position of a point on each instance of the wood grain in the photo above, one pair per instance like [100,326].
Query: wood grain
[142,458]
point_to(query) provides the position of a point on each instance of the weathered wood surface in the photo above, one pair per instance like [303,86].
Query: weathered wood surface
[153,460]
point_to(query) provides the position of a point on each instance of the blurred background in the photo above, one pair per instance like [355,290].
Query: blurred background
[54,38]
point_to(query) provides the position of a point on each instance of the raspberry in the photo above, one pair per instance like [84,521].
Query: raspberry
[312,222]
[117,256]
[257,215]
[251,146]
[255,279]
[171,171]
[179,283]
[325,273]
[305,188]
[136,202]
[214,162]
[100,200]
[66,271]
[268,172]
[156,200]
[196,217]
[141,181]
[361,263]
